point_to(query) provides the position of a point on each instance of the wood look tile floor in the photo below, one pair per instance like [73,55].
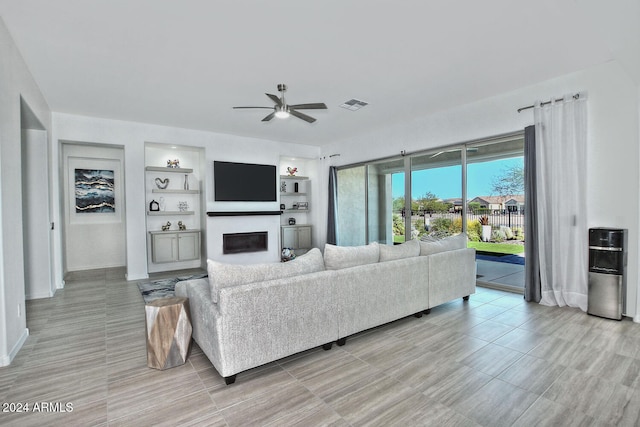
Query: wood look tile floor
[492,361]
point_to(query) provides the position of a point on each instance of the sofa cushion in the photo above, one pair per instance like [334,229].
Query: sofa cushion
[430,246]
[222,275]
[405,250]
[339,257]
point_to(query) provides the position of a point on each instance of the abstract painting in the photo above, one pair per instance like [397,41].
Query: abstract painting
[94,191]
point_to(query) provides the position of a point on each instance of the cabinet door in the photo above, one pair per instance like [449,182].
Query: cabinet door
[164,248]
[289,237]
[304,237]
[188,246]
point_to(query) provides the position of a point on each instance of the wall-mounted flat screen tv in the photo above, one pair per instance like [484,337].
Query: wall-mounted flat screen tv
[244,182]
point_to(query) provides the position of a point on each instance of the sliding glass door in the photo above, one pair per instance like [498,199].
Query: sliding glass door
[385,196]
[437,206]
[435,193]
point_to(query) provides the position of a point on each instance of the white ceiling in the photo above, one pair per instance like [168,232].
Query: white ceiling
[186,63]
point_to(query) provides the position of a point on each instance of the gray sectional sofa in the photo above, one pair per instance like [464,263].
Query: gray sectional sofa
[245,316]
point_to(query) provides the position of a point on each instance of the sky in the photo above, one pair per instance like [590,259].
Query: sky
[446,183]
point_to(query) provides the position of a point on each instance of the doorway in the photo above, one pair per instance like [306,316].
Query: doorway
[36,207]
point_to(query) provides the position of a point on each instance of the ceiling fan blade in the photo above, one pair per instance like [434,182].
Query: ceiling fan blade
[268,108]
[269,117]
[313,106]
[302,116]
[274,99]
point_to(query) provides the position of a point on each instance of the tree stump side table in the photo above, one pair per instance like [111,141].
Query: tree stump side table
[169,330]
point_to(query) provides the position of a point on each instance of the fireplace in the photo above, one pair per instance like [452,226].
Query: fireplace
[225,227]
[236,243]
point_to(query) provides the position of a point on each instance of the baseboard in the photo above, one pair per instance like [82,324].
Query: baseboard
[131,277]
[499,287]
[39,296]
[7,359]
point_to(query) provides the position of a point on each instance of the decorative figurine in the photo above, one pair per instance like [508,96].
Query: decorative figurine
[283,186]
[287,254]
[162,184]
[175,163]
[154,206]
[291,171]
[166,226]
[183,206]
[163,205]
[181,226]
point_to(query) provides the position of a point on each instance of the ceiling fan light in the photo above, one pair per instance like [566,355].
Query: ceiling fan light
[282,113]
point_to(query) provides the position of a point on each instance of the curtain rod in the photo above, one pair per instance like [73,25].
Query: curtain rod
[576,96]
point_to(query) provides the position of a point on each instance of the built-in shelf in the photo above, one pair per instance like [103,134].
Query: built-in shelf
[173,231]
[165,169]
[296,210]
[301,178]
[159,190]
[166,213]
[293,194]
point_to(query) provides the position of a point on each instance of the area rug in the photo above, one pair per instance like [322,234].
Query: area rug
[164,288]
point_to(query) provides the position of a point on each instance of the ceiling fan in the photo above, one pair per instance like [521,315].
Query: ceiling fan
[282,110]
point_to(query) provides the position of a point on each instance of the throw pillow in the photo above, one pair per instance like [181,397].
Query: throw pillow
[405,250]
[459,241]
[222,275]
[339,257]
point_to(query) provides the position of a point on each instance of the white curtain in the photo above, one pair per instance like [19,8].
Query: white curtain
[561,143]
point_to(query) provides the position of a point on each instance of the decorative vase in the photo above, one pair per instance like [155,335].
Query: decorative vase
[186,181]
[295,187]
[486,233]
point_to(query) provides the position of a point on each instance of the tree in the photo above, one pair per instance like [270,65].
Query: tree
[398,204]
[474,207]
[509,182]
[431,203]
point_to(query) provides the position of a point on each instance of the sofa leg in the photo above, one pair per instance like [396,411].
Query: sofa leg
[327,346]
[342,341]
[230,379]
[466,298]
[427,311]
[418,315]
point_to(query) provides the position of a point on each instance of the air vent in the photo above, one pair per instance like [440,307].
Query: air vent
[354,104]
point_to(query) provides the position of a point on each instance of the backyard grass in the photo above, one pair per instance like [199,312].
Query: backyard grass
[501,248]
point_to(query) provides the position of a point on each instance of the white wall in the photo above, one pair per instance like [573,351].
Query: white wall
[15,81]
[132,136]
[612,148]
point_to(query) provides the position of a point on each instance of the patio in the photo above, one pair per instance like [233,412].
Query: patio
[500,275]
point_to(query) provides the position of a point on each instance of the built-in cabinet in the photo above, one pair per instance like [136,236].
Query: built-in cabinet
[296,236]
[173,201]
[296,204]
[167,246]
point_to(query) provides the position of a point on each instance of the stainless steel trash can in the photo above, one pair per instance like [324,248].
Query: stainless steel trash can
[607,272]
